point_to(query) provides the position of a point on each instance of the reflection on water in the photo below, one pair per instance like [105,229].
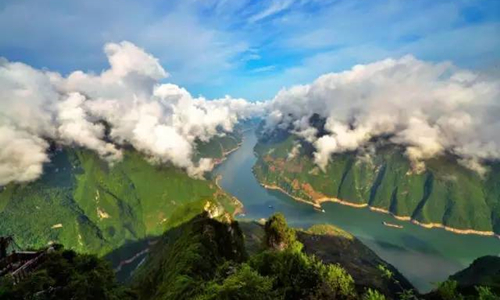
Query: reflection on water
[424,256]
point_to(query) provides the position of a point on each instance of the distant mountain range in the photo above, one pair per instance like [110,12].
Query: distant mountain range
[446,194]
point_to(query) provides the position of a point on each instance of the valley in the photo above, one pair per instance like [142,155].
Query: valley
[439,252]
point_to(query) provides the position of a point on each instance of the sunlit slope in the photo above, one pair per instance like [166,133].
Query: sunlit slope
[88,205]
[446,192]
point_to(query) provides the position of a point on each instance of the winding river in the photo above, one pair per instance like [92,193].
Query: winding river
[424,256]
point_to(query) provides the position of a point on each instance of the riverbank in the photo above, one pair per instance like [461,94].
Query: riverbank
[317,204]
[238,204]
[225,155]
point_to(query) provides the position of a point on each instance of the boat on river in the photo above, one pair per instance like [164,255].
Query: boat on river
[392,225]
[319,209]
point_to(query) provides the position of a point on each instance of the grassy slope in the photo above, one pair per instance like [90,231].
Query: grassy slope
[102,207]
[445,193]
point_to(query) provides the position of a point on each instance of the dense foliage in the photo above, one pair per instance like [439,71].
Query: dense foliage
[187,257]
[277,233]
[446,192]
[87,205]
[65,274]
[206,259]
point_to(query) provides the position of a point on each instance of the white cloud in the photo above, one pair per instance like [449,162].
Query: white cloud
[161,120]
[275,6]
[428,108]
[21,155]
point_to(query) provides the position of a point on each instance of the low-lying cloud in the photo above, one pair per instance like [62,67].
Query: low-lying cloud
[163,121]
[428,108]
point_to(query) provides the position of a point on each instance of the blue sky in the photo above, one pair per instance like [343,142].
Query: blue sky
[246,48]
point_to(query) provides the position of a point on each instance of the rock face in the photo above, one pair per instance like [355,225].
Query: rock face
[445,194]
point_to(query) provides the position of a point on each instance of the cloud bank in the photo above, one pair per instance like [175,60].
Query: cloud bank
[163,121]
[427,108]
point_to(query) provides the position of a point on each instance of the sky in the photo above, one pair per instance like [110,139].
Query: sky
[250,49]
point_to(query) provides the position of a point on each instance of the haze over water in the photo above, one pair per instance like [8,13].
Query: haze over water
[424,256]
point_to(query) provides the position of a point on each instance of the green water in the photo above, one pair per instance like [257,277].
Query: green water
[424,256]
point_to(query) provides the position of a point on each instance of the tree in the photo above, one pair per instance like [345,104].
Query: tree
[244,284]
[278,235]
[373,295]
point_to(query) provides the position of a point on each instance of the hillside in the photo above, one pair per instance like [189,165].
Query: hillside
[480,280]
[217,148]
[87,205]
[445,193]
[211,256]
[218,259]
[333,245]
[482,271]
[66,274]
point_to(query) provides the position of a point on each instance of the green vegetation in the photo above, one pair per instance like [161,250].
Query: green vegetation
[205,258]
[483,271]
[300,276]
[445,193]
[373,295]
[277,233]
[65,274]
[243,283]
[218,146]
[453,290]
[188,256]
[87,205]
[327,229]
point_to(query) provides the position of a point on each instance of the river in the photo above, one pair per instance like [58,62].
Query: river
[424,256]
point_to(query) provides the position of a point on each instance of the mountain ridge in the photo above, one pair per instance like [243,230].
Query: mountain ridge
[445,195]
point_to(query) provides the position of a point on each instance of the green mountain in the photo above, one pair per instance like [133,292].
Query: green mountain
[214,257]
[333,245]
[87,205]
[480,280]
[482,271]
[445,193]
[222,259]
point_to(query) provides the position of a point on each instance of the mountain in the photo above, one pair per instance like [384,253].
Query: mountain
[222,259]
[333,245]
[480,280]
[445,194]
[87,205]
[482,271]
[187,256]
[211,256]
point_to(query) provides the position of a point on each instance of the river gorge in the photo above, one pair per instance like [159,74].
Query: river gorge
[424,256]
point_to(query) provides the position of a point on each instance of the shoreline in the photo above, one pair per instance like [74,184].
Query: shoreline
[239,205]
[219,161]
[381,210]
[239,209]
